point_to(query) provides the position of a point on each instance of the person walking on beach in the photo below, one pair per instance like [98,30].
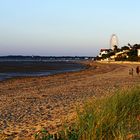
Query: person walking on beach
[137,70]
[131,71]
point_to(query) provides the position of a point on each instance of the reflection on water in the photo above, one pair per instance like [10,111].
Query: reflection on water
[8,75]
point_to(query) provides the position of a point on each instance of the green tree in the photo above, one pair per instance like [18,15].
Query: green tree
[125,48]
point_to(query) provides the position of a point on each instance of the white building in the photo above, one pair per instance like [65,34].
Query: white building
[138,52]
[104,51]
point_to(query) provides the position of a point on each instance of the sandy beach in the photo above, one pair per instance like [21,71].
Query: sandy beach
[28,104]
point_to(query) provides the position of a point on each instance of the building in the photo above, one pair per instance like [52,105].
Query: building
[104,51]
[138,52]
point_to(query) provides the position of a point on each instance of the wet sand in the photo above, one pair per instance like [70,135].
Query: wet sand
[28,104]
[11,69]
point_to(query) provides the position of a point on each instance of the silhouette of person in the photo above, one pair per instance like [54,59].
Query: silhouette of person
[131,71]
[137,70]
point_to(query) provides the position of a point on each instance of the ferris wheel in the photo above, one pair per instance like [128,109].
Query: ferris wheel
[113,41]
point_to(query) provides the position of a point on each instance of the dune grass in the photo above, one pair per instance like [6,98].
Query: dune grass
[116,117]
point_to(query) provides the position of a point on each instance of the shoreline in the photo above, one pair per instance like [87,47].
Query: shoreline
[44,73]
[50,101]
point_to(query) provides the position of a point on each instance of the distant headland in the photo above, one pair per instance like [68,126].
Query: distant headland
[41,58]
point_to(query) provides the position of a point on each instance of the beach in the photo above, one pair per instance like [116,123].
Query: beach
[28,104]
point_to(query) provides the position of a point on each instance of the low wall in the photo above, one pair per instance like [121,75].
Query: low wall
[119,62]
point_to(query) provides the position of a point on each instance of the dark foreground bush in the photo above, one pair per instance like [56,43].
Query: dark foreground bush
[112,118]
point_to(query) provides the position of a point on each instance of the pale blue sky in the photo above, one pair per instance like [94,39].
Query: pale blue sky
[66,27]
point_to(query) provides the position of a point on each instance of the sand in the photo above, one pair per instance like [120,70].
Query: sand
[28,104]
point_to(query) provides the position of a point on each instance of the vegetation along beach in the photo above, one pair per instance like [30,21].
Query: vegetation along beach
[29,104]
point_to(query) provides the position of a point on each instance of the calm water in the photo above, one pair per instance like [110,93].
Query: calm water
[11,69]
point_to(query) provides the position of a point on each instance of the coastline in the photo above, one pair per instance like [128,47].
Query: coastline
[37,102]
[37,69]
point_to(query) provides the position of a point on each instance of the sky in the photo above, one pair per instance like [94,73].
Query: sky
[66,27]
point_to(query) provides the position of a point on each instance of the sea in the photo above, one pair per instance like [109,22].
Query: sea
[34,68]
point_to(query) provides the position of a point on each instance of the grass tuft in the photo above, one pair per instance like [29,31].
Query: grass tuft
[111,118]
